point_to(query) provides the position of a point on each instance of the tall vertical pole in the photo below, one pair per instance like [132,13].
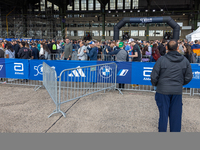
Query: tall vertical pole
[103,22]
[148,14]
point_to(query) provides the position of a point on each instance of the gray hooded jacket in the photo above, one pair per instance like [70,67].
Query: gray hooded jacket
[170,73]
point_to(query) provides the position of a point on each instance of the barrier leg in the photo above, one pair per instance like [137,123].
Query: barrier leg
[57,111]
[38,87]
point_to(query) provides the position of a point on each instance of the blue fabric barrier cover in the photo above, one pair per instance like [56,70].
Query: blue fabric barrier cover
[127,72]
[36,67]
[14,68]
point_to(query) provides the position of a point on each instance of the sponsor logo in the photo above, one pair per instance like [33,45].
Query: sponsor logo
[145,20]
[105,72]
[196,75]
[147,73]
[19,68]
[39,69]
[1,67]
[77,73]
[122,72]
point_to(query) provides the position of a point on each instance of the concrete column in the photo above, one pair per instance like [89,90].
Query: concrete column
[62,18]
[148,14]
[103,22]
[25,21]
[0,24]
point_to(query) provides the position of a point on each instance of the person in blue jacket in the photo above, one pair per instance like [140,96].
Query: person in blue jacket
[92,51]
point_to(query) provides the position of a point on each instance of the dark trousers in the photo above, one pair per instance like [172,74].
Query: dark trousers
[121,86]
[169,106]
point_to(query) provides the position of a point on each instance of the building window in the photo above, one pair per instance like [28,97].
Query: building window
[159,32]
[127,4]
[112,4]
[49,4]
[95,33]
[59,33]
[134,32]
[56,8]
[111,33]
[42,5]
[80,33]
[151,32]
[76,5]
[83,5]
[101,33]
[95,25]
[106,7]
[120,4]
[120,33]
[69,7]
[98,5]
[90,5]
[81,25]
[141,32]
[135,4]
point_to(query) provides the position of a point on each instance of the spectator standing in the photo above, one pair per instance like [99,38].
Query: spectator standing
[2,53]
[162,49]
[196,49]
[10,53]
[67,50]
[121,55]
[92,51]
[81,55]
[155,52]
[16,48]
[129,49]
[45,52]
[24,52]
[53,49]
[35,52]
[136,52]
[169,74]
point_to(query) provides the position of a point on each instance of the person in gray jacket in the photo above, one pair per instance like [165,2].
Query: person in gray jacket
[67,50]
[81,55]
[121,55]
[169,74]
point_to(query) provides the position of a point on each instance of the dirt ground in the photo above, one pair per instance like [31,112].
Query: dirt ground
[25,111]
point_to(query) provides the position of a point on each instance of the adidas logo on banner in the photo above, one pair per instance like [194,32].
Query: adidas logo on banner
[1,66]
[77,73]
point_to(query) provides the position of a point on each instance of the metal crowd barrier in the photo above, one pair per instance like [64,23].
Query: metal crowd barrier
[149,88]
[37,84]
[50,83]
[105,57]
[76,83]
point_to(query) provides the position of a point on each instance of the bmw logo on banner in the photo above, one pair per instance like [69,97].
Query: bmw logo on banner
[106,72]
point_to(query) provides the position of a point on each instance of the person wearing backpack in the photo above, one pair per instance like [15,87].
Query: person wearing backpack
[53,49]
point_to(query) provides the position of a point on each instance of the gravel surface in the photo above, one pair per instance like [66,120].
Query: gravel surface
[25,111]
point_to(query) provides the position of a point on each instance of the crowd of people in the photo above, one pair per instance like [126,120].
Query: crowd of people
[110,50]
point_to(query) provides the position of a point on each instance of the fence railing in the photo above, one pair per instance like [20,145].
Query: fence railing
[76,83]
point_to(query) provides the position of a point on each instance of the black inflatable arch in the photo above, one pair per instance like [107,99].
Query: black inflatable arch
[165,19]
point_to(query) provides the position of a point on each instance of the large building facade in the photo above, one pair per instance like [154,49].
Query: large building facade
[76,19]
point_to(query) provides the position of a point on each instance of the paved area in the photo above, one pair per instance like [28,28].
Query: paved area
[25,111]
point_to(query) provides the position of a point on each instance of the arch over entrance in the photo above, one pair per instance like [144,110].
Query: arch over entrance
[165,19]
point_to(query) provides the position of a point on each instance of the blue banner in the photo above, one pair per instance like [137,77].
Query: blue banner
[36,68]
[127,72]
[2,68]
[195,83]
[17,68]
[106,73]
[141,73]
